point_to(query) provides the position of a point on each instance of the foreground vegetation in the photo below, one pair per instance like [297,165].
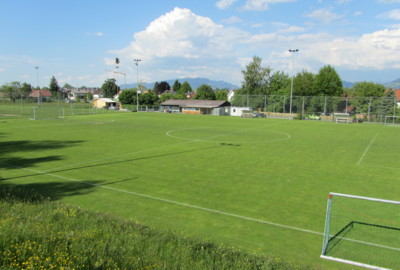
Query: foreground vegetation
[36,233]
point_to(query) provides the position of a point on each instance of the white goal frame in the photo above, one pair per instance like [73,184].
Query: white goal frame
[36,116]
[393,122]
[327,235]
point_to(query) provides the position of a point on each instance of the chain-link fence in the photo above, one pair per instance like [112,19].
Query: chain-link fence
[368,109]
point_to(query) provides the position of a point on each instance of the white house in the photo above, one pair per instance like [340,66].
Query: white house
[238,111]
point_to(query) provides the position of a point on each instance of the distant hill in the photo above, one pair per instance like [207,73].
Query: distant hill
[393,84]
[347,84]
[194,83]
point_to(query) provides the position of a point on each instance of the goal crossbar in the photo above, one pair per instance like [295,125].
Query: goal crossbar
[362,228]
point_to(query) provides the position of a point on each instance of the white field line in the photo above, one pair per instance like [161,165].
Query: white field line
[175,202]
[203,208]
[366,150]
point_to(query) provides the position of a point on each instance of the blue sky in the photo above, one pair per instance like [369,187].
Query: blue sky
[78,41]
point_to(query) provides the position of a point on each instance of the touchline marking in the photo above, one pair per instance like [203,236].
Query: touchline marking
[175,202]
[202,208]
[366,150]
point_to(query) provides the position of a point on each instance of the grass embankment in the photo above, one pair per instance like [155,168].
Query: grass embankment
[36,233]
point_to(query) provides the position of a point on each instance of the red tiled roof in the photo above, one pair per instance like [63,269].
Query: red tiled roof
[43,93]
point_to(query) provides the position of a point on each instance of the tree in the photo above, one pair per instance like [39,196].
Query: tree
[127,97]
[389,103]
[256,78]
[221,95]
[279,84]
[205,92]
[26,89]
[67,86]
[176,87]
[53,86]
[368,89]
[149,98]
[159,88]
[166,96]
[109,88]
[303,84]
[12,90]
[327,82]
[185,88]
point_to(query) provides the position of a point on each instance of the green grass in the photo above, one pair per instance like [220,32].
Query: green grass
[257,184]
[39,234]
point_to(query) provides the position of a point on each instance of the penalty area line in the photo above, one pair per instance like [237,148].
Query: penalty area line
[178,203]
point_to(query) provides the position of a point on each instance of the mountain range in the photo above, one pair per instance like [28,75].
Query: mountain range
[194,83]
[197,82]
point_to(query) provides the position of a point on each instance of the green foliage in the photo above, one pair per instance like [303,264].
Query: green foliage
[127,97]
[256,78]
[327,82]
[368,89]
[53,87]
[185,88]
[149,98]
[221,95]
[279,84]
[161,87]
[176,87]
[40,234]
[205,92]
[11,90]
[303,84]
[109,88]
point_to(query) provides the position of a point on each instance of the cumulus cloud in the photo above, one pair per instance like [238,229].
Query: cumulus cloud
[97,34]
[393,15]
[376,50]
[223,4]
[262,4]
[232,20]
[324,15]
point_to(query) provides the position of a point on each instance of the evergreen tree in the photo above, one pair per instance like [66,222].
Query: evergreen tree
[185,88]
[53,86]
[176,87]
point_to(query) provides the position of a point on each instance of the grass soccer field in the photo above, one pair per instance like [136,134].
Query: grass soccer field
[259,184]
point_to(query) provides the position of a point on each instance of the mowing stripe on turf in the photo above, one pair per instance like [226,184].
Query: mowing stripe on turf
[366,150]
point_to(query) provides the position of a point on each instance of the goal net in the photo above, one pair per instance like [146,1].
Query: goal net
[46,113]
[362,231]
[392,120]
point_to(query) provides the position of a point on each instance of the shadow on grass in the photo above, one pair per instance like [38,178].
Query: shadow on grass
[12,147]
[40,192]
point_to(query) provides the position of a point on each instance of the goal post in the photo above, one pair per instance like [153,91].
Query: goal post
[362,231]
[46,113]
[391,120]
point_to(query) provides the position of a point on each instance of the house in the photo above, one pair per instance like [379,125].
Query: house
[43,95]
[106,103]
[238,111]
[196,106]
[81,93]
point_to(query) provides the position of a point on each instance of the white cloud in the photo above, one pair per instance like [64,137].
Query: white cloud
[2,69]
[97,34]
[263,4]
[223,4]
[232,20]
[378,50]
[393,15]
[389,1]
[357,13]
[324,15]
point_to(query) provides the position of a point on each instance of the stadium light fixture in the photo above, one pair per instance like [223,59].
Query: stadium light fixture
[137,83]
[292,51]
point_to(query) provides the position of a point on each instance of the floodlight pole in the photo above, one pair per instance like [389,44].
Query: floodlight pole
[292,51]
[37,83]
[137,83]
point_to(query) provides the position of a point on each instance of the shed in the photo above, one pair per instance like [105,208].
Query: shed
[195,106]
[106,103]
